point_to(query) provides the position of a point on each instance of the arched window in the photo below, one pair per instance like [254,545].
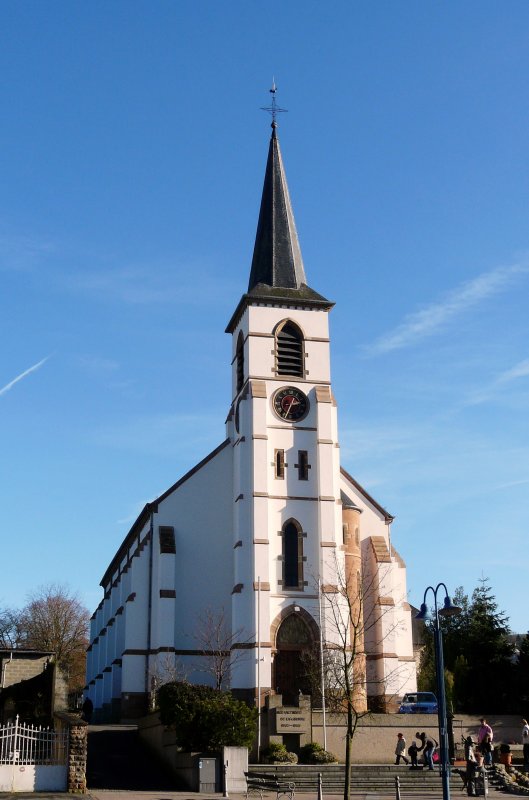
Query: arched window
[292,556]
[289,350]
[240,361]
[293,631]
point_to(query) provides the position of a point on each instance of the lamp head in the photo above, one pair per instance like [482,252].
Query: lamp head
[424,613]
[449,609]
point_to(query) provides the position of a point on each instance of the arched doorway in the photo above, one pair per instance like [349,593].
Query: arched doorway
[294,637]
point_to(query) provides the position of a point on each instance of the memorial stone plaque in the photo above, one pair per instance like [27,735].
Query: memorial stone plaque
[292,721]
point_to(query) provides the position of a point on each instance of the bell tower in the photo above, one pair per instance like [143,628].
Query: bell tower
[282,425]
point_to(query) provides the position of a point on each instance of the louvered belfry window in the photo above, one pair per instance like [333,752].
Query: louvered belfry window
[289,351]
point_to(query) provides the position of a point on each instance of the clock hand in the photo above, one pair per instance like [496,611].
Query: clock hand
[293,402]
[287,409]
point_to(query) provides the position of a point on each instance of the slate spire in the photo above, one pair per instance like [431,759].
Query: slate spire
[277,275]
[277,260]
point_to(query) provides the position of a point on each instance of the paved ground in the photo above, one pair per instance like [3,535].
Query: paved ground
[105,794]
[118,761]
[134,795]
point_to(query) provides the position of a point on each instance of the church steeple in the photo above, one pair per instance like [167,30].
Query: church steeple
[277,273]
[277,260]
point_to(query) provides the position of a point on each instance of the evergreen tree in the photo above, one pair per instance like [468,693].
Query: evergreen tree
[521,669]
[478,656]
[489,653]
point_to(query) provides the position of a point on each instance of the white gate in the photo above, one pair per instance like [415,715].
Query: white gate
[32,759]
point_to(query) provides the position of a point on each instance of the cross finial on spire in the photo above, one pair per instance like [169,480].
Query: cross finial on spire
[273,109]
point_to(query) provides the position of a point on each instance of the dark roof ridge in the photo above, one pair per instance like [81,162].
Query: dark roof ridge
[387,516]
[304,297]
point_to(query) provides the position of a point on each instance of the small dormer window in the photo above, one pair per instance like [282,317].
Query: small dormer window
[289,350]
[240,362]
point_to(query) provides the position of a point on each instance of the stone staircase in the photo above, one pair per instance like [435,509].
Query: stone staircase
[365,778]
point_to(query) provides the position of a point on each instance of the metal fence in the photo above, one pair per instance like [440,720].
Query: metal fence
[31,744]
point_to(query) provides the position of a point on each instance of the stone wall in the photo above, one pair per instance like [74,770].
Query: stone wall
[77,749]
[376,735]
[373,743]
[17,666]
[31,685]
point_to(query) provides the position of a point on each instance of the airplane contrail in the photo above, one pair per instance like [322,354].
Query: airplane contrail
[36,366]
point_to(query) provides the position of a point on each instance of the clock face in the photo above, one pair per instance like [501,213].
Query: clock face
[290,404]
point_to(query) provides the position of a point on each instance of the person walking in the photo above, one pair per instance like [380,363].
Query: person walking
[525,742]
[486,750]
[87,710]
[400,749]
[413,752]
[484,730]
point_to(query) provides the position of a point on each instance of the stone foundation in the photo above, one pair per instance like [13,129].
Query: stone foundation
[77,749]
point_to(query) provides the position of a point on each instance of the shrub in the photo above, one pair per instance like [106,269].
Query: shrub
[313,753]
[277,753]
[204,718]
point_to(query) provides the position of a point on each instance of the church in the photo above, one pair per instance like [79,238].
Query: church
[269,530]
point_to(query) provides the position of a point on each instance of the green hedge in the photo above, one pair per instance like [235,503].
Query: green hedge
[205,719]
[313,753]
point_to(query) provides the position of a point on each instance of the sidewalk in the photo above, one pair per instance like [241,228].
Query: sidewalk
[106,795]
[109,794]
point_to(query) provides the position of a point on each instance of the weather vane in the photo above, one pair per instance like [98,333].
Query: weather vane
[273,109]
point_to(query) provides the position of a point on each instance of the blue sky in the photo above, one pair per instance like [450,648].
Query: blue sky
[132,155]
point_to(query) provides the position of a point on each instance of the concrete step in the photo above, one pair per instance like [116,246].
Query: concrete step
[364,777]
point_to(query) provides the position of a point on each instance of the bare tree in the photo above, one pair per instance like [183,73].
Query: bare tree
[9,629]
[54,619]
[352,616]
[167,668]
[220,647]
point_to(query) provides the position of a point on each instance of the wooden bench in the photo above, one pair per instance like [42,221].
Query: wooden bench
[261,782]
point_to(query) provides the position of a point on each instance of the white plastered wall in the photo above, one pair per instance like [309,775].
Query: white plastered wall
[266,502]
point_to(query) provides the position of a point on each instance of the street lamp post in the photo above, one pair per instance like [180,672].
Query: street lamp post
[448,610]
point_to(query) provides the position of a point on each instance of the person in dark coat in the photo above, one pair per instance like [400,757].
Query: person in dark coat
[486,749]
[470,758]
[87,709]
[413,751]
